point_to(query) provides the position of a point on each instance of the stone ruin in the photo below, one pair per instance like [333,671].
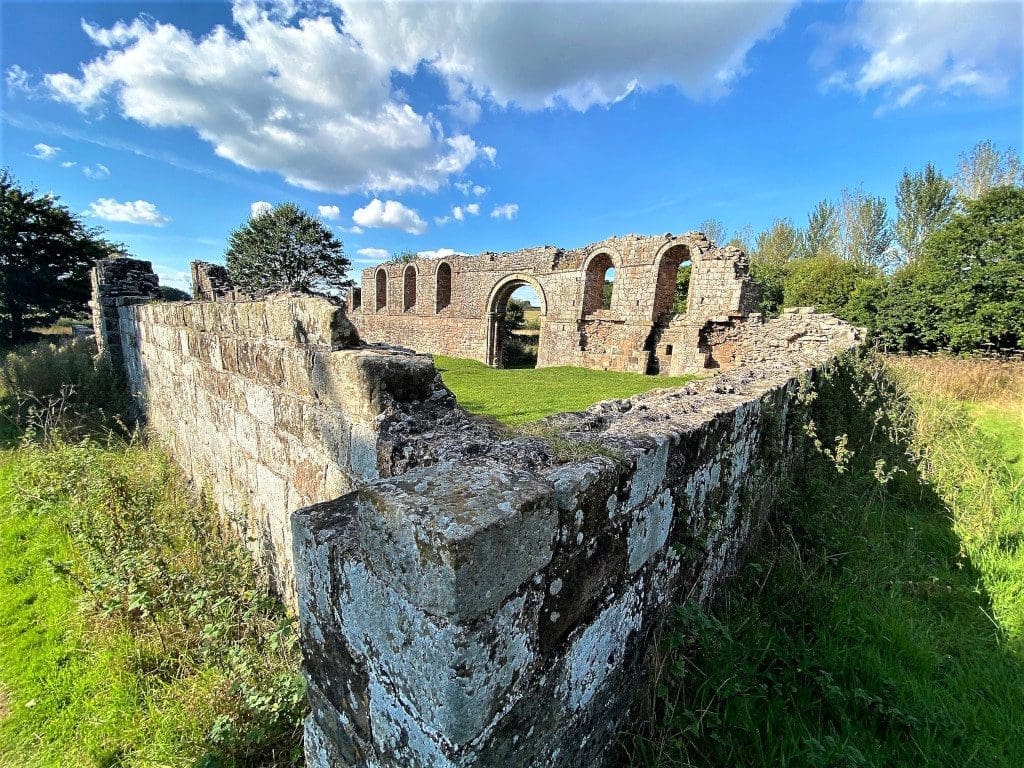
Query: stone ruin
[456,306]
[469,597]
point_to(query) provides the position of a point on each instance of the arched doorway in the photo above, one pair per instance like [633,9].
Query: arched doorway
[516,309]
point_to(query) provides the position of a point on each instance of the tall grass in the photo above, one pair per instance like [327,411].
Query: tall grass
[876,624]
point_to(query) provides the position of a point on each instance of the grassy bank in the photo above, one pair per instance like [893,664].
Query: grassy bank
[877,625]
[132,630]
[520,395]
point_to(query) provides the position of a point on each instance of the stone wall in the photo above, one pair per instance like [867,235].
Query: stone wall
[455,306]
[269,405]
[492,604]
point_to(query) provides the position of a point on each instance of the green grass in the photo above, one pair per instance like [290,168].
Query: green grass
[517,396]
[875,626]
[132,633]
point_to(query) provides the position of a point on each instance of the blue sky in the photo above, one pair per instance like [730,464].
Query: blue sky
[489,127]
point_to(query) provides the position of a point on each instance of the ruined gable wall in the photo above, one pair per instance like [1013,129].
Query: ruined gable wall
[486,608]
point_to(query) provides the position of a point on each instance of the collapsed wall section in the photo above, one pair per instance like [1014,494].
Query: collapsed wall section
[269,405]
[485,609]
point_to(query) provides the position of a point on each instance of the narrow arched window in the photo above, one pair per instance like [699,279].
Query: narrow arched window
[382,289]
[444,286]
[600,284]
[409,288]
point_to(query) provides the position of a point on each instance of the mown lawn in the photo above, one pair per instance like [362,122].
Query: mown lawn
[517,396]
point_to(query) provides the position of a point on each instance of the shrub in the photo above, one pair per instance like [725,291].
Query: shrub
[829,283]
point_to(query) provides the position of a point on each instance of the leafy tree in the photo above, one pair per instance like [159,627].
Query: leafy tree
[403,257]
[743,239]
[682,288]
[828,283]
[985,168]
[286,249]
[965,291]
[822,235]
[924,202]
[714,230]
[866,233]
[515,314]
[46,254]
[774,249]
[169,293]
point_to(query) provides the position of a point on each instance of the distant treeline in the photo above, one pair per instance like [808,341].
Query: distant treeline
[947,272]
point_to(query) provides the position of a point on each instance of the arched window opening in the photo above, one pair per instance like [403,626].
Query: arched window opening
[673,267]
[355,298]
[382,290]
[444,286]
[409,288]
[599,288]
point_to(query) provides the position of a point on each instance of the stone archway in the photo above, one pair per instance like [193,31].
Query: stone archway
[497,301]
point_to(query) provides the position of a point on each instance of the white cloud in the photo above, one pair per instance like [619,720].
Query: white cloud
[331,212]
[506,211]
[329,124]
[538,55]
[467,187]
[97,171]
[132,212]
[68,164]
[440,253]
[479,191]
[45,151]
[442,220]
[903,51]
[390,213]
[259,208]
[355,230]
[377,254]
[17,79]
[459,212]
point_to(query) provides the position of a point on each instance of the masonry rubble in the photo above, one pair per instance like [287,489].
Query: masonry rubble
[469,597]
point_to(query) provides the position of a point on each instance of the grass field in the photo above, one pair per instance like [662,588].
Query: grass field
[517,396]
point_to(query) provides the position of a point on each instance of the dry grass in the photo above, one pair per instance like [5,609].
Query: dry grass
[976,380]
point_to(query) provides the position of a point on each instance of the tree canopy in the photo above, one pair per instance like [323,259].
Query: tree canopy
[46,254]
[286,249]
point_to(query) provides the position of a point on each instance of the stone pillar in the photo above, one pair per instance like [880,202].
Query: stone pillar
[210,282]
[118,282]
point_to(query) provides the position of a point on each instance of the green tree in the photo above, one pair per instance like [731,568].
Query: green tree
[986,167]
[682,288]
[965,291]
[714,230]
[774,249]
[286,249]
[169,293]
[822,235]
[830,283]
[866,231]
[46,254]
[924,202]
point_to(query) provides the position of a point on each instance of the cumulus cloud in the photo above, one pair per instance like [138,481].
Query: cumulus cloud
[68,164]
[468,187]
[132,212]
[45,151]
[440,253]
[390,213]
[460,212]
[442,220]
[259,208]
[331,212]
[506,211]
[97,171]
[330,123]
[377,254]
[905,51]
[17,80]
[538,55]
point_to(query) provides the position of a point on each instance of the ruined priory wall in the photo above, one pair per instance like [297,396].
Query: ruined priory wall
[456,317]
[492,610]
[267,405]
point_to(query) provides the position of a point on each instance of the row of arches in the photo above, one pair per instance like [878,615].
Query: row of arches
[601,271]
[410,288]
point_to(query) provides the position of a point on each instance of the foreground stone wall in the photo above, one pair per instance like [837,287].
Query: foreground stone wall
[455,306]
[269,405]
[492,604]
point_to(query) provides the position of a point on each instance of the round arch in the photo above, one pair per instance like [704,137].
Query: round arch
[672,255]
[595,267]
[410,283]
[497,300]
